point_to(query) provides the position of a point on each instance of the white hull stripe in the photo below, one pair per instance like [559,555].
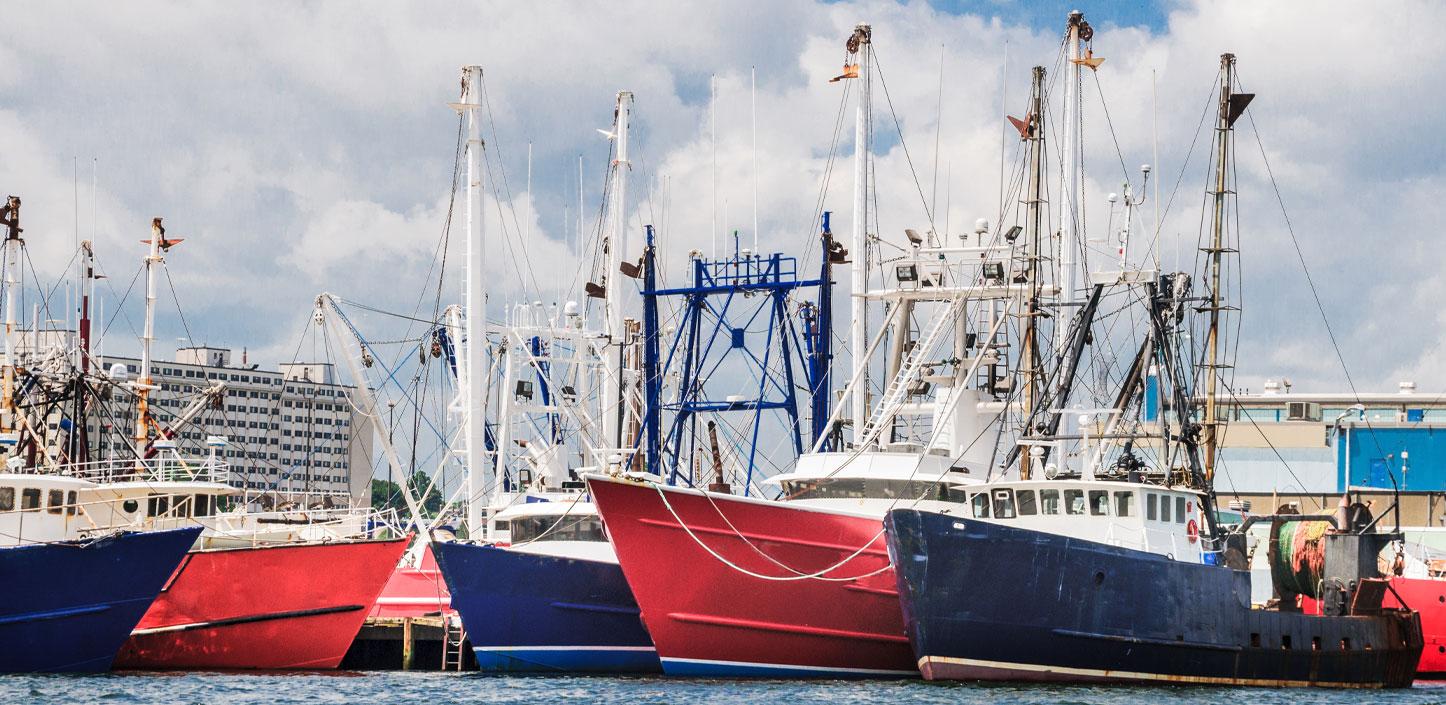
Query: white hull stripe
[792,667]
[1033,668]
[504,649]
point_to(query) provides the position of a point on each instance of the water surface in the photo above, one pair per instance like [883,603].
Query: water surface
[432,687]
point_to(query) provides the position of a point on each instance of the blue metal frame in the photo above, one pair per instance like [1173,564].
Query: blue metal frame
[724,292]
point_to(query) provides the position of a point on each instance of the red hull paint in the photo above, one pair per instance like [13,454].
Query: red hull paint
[413,591]
[1427,596]
[714,617]
[277,607]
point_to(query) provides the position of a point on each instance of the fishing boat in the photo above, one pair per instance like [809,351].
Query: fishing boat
[537,584]
[74,590]
[1085,586]
[748,585]
[249,594]
[547,595]
[1116,568]
[72,597]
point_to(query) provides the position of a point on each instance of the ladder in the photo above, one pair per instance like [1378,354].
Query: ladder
[454,640]
[898,387]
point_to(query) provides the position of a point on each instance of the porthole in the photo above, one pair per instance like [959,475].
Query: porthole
[130,506]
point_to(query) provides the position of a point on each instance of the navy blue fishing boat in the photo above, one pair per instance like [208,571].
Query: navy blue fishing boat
[70,605]
[1121,597]
[553,601]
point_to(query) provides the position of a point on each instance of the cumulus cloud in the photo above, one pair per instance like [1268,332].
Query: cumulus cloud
[305,148]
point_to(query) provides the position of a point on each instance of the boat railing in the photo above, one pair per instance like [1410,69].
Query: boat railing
[162,468]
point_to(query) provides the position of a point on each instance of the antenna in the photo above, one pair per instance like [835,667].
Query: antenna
[527,229]
[713,136]
[753,95]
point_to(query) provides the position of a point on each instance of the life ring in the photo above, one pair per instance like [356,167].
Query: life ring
[1192,531]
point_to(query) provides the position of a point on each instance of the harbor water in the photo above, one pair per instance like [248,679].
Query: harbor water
[414,687]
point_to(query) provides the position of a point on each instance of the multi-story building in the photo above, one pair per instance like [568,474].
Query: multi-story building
[1283,446]
[292,434]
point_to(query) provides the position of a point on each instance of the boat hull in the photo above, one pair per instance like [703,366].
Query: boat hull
[1055,608]
[1427,596]
[528,613]
[69,606]
[757,616]
[414,590]
[296,606]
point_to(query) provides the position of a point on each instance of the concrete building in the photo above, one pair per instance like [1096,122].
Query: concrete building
[1285,446]
[292,433]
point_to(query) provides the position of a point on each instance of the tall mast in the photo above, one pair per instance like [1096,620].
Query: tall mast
[1230,108]
[155,258]
[617,245]
[10,218]
[474,342]
[1069,218]
[861,44]
[1033,132]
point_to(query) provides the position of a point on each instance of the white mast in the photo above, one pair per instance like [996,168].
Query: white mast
[1069,221]
[154,258]
[617,246]
[859,332]
[474,343]
[13,243]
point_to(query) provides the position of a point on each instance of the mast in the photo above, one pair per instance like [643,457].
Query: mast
[1077,30]
[154,258]
[474,341]
[860,44]
[1230,108]
[79,444]
[10,219]
[613,406]
[1032,131]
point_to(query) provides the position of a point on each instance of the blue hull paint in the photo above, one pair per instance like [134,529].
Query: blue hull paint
[70,606]
[986,601]
[527,613]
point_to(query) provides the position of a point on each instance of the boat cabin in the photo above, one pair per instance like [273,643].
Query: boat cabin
[873,482]
[567,526]
[38,508]
[1154,518]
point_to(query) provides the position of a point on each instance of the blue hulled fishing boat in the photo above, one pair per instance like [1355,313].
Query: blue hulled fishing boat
[71,603]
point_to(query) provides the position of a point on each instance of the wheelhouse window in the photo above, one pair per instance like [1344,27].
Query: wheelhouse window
[557,528]
[1074,502]
[979,503]
[56,503]
[1099,503]
[1049,501]
[1164,508]
[1179,510]
[30,499]
[1024,502]
[1150,512]
[7,499]
[1124,504]
[158,505]
[865,488]
[71,504]
[202,506]
[1003,504]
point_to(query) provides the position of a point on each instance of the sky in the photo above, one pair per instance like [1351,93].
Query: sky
[308,147]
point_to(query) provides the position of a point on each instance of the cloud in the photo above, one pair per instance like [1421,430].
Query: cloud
[304,148]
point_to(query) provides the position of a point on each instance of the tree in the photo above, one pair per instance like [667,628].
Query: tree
[388,495]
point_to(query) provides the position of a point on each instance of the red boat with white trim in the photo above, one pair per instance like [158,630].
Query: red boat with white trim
[740,586]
